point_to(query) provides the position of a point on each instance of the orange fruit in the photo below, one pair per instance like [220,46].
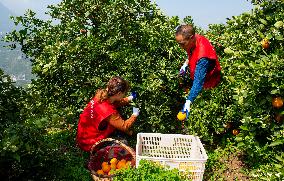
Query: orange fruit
[100,172]
[106,168]
[113,166]
[235,132]
[277,102]
[181,116]
[83,31]
[123,160]
[121,164]
[104,163]
[265,43]
[113,161]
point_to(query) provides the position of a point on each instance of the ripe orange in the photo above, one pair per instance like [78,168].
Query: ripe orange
[113,161]
[83,31]
[104,163]
[100,172]
[106,168]
[121,164]
[265,43]
[235,132]
[277,102]
[181,116]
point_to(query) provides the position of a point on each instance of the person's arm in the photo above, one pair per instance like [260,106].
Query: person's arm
[199,78]
[125,101]
[122,102]
[116,121]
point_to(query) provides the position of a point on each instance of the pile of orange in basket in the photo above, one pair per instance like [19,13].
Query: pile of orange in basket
[108,168]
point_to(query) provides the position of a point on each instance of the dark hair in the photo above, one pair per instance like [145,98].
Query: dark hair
[114,86]
[185,30]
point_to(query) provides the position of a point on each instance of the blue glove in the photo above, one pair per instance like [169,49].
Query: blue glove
[132,96]
[186,108]
[183,69]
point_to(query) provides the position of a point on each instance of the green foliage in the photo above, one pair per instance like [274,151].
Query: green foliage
[148,171]
[92,41]
[270,171]
[10,101]
[97,40]
[251,77]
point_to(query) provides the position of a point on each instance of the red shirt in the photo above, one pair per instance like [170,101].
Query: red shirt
[204,49]
[88,132]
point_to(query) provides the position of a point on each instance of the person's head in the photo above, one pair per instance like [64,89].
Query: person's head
[116,89]
[185,36]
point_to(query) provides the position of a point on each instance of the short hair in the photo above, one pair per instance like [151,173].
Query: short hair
[185,30]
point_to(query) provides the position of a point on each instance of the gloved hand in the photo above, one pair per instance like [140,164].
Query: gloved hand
[183,68]
[132,96]
[186,108]
[136,111]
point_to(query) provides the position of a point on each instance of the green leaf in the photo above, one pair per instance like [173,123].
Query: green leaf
[269,36]
[276,143]
[275,91]
[263,21]
[279,24]
[231,78]
[279,158]
[228,51]
[279,37]
[16,157]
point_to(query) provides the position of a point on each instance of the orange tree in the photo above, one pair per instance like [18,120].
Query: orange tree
[87,42]
[75,53]
[91,41]
[253,75]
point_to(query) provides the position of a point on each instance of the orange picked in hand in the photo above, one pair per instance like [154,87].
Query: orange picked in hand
[181,116]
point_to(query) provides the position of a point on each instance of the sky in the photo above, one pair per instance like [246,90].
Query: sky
[203,12]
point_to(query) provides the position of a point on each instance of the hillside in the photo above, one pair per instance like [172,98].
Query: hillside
[6,23]
[12,61]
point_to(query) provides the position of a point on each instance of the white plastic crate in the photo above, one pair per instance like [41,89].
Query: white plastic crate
[184,152]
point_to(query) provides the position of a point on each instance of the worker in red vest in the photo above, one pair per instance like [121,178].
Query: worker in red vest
[100,118]
[203,64]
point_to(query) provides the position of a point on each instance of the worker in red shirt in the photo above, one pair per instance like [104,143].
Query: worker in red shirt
[203,64]
[100,118]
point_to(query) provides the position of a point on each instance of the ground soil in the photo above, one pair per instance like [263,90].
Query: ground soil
[234,167]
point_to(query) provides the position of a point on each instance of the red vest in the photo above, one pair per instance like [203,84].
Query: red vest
[204,49]
[88,132]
